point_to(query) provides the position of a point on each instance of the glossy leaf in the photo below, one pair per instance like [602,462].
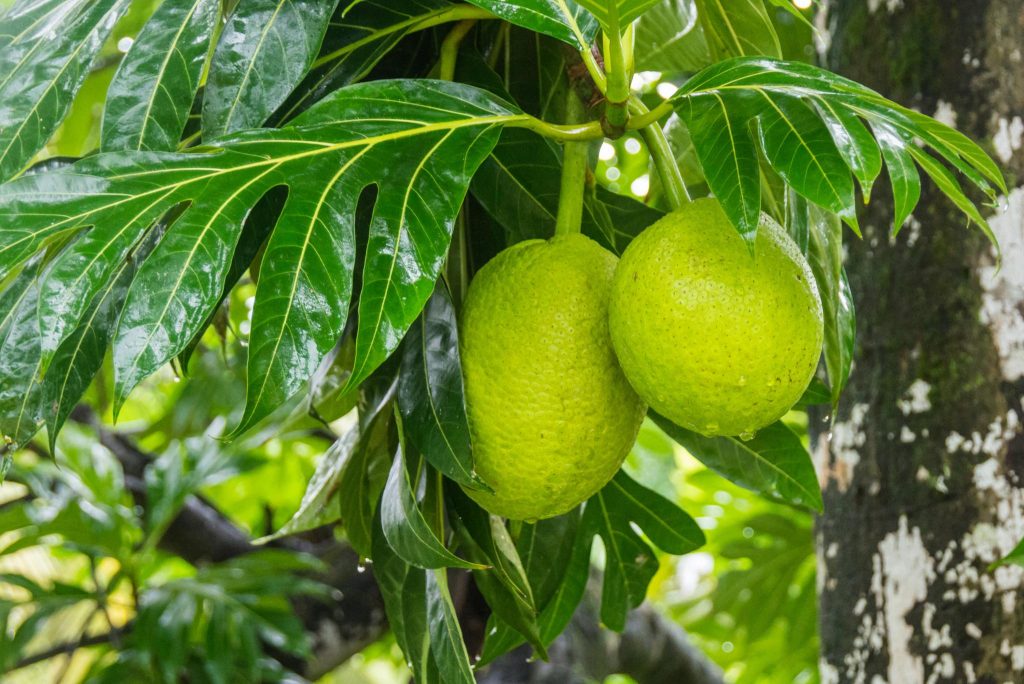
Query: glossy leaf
[825,256]
[773,463]
[505,584]
[26,20]
[366,470]
[903,175]
[630,563]
[617,15]
[518,183]
[421,149]
[357,38]
[403,588]
[950,187]
[149,100]
[302,297]
[734,28]
[734,177]
[1015,557]
[817,393]
[565,20]
[802,112]
[21,394]
[264,51]
[798,221]
[854,143]
[421,616]
[42,65]
[81,271]
[800,148]
[446,643]
[315,509]
[548,549]
[405,526]
[670,39]
[430,392]
[255,230]
[80,356]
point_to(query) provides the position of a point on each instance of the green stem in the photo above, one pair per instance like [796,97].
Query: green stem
[595,70]
[664,159]
[500,44]
[447,15]
[642,120]
[574,174]
[450,49]
[570,197]
[457,272]
[591,130]
[616,109]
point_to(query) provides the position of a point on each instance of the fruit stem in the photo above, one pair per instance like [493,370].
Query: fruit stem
[616,112]
[450,49]
[574,175]
[664,159]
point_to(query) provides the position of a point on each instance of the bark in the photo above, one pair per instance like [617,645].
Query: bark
[924,468]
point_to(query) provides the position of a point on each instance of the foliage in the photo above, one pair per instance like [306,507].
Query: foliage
[285,181]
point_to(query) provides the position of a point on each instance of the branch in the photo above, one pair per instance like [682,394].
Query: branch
[65,649]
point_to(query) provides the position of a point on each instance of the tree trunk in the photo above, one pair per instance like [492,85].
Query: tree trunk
[924,468]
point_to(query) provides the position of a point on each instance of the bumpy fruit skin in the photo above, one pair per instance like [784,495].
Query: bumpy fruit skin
[551,415]
[719,341]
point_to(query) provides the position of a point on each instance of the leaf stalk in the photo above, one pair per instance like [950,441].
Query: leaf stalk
[420,23]
[661,153]
[450,48]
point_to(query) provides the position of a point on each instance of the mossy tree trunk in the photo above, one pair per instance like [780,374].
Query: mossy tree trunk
[924,471]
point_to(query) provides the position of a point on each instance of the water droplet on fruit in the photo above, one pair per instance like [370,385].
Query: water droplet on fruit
[747,435]
[711,428]
[742,381]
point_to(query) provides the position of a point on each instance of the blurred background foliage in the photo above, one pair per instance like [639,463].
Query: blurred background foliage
[78,558]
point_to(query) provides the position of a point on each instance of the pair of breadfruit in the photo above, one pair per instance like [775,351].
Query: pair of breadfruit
[564,346]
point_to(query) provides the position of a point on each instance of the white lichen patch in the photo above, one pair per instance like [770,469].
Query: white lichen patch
[1008,137]
[915,399]
[1000,431]
[903,571]
[1002,308]
[890,5]
[838,456]
[945,113]
[829,672]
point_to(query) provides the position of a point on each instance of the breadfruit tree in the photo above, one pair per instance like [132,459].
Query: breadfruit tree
[410,187]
